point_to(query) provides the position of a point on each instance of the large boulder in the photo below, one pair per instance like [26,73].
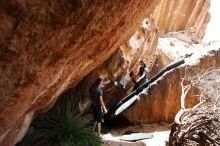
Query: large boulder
[142,44]
[49,46]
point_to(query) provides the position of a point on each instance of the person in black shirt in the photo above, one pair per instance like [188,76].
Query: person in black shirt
[142,75]
[98,105]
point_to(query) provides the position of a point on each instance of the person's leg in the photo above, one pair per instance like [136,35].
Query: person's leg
[95,116]
[135,86]
[99,119]
[99,128]
[140,83]
[94,126]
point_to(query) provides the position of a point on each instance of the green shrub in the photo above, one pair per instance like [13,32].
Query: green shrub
[62,127]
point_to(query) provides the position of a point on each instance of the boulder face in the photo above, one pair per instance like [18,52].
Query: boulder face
[163,101]
[142,44]
[49,46]
[191,15]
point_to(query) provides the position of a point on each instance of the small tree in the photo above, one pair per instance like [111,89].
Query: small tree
[199,125]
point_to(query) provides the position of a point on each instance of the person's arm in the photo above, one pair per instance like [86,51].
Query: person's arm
[106,82]
[127,69]
[102,104]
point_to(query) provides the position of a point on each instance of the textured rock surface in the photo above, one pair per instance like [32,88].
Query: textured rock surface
[141,45]
[48,46]
[188,36]
[173,15]
[164,101]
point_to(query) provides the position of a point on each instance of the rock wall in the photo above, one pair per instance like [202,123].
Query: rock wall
[191,15]
[141,45]
[163,101]
[49,46]
[189,19]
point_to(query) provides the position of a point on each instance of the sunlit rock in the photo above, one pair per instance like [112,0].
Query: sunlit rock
[174,16]
[163,101]
[49,46]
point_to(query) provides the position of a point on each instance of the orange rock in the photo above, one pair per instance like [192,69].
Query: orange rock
[164,101]
[49,46]
[172,16]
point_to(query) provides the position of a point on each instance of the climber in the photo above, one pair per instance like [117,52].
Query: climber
[98,104]
[127,75]
[141,78]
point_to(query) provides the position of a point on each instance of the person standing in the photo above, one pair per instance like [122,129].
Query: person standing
[98,105]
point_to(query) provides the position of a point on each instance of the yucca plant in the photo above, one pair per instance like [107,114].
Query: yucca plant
[62,127]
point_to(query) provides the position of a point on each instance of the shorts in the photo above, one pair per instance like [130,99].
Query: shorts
[120,86]
[97,113]
[140,83]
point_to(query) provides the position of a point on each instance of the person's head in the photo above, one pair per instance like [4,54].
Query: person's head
[131,74]
[143,62]
[98,82]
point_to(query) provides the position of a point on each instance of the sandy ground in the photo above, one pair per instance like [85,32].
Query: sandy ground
[121,143]
[159,131]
